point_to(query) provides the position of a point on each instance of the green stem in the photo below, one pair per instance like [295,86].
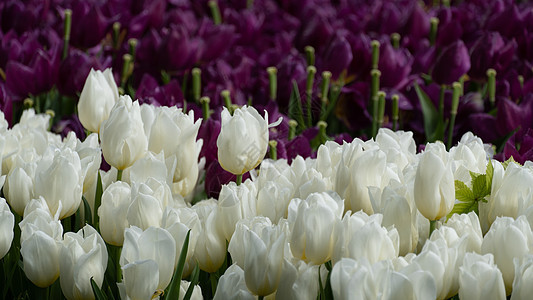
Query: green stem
[395,40]
[311,71]
[272,82]
[119,175]
[227,99]
[381,108]
[66,36]
[273,149]
[126,67]
[375,53]
[205,107]
[432,225]
[395,111]
[453,113]
[310,55]
[323,136]
[196,83]
[238,181]
[374,84]
[215,11]
[214,283]
[260,297]
[292,129]
[434,25]
[324,89]
[116,35]
[132,43]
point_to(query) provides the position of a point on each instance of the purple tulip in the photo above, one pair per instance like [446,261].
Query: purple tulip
[149,91]
[395,66]
[521,153]
[215,177]
[337,57]
[209,131]
[178,49]
[68,124]
[352,106]
[491,51]
[6,103]
[216,39]
[451,64]
[89,25]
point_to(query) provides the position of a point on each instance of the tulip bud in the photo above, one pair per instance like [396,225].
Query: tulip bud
[434,187]
[7,222]
[313,232]
[122,135]
[480,278]
[112,212]
[243,140]
[97,98]
[235,202]
[522,288]
[211,245]
[231,285]
[508,239]
[83,257]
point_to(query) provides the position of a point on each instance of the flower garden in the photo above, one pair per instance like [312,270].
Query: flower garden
[308,149]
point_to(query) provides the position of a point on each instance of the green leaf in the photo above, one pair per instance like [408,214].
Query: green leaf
[508,161]
[463,192]
[195,276]
[295,105]
[174,288]
[88,219]
[489,175]
[462,208]
[97,202]
[479,186]
[98,295]
[433,124]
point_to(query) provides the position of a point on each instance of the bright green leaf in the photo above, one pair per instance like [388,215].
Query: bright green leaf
[433,124]
[98,294]
[479,186]
[463,192]
[174,288]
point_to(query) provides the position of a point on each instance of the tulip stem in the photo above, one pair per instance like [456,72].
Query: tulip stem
[324,89]
[215,11]
[272,82]
[434,25]
[238,181]
[205,107]
[381,108]
[432,225]
[310,55]
[273,144]
[311,71]
[227,99]
[214,283]
[66,36]
[260,297]
[453,113]
[292,129]
[395,40]
[119,175]
[375,44]
[196,83]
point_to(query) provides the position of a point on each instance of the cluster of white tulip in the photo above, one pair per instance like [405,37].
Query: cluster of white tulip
[368,218]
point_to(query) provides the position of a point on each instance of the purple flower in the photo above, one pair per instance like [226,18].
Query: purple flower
[337,57]
[215,177]
[491,51]
[178,50]
[149,91]
[89,25]
[216,39]
[68,124]
[209,131]
[451,64]
[395,66]
[519,147]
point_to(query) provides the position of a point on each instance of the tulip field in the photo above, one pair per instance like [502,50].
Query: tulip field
[276,149]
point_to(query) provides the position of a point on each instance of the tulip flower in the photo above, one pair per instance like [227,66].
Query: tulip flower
[299,280]
[7,221]
[231,285]
[210,248]
[83,257]
[98,96]
[480,278]
[112,212]
[59,179]
[434,187]
[236,202]
[508,239]
[523,275]
[142,253]
[243,139]
[41,238]
[313,232]
[451,64]
[122,134]
[467,225]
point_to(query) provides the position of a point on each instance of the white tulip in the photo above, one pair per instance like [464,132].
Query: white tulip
[83,257]
[243,140]
[122,134]
[235,203]
[210,250]
[480,278]
[7,222]
[231,285]
[154,244]
[508,239]
[522,288]
[97,98]
[434,186]
[116,200]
